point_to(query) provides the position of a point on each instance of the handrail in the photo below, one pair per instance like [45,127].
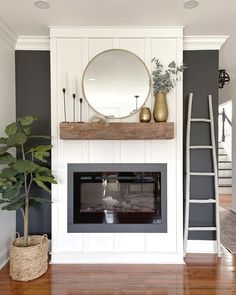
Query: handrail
[224,118]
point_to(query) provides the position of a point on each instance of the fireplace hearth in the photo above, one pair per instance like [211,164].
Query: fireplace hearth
[117,198]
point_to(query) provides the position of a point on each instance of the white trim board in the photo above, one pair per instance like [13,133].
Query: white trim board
[4,257]
[115,258]
[190,42]
[204,42]
[7,35]
[33,43]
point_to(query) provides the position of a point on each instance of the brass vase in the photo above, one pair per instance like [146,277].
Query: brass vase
[160,111]
[145,115]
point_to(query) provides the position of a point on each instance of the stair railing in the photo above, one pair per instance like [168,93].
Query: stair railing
[225,119]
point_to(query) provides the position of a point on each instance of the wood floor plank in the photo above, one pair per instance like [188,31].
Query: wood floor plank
[201,275]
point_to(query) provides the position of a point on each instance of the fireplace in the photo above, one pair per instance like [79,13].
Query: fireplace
[117,197]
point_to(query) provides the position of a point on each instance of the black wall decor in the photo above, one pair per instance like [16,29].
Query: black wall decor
[200,77]
[33,98]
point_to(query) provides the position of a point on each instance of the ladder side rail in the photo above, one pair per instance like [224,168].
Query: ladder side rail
[187,178]
[213,142]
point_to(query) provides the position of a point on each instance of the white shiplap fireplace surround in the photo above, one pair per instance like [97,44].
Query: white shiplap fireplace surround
[71,50]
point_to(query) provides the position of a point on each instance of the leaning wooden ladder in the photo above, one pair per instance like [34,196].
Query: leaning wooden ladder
[190,200]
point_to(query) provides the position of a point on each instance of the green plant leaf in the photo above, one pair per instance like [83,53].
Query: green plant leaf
[17,139]
[3,149]
[40,136]
[43,171]
[3,140]
[40,200]
[49,179]
[27,120]
[11,129]
[12,192]
[42,185]
[8,172]
[13,206]
[3,201]
[25,166]
[6,159]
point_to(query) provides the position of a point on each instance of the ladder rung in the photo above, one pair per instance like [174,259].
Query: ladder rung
[202,173]
[201,228]
[202,201]
[201,147]
[200,120]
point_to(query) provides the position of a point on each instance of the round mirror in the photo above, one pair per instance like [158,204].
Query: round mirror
[116,83]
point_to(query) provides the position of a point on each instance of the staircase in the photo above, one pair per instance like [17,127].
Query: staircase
[225,171]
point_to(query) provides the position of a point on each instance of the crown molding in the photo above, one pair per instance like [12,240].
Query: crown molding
[190,42]
[7,34]
[33,43]
[204,42]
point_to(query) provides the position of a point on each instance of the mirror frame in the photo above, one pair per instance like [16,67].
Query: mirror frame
[145,66]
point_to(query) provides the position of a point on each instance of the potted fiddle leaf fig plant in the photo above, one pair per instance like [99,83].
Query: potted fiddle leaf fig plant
[164,81]
[28,254]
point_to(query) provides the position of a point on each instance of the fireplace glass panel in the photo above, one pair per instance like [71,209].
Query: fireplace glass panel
[117,197]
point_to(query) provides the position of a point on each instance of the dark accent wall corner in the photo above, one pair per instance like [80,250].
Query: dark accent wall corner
[33,98]
[201,78]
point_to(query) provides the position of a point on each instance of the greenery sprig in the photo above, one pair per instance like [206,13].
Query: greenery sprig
[164,80]
[21,173]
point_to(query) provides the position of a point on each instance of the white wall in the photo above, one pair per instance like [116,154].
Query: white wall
[71,50]
[7,115]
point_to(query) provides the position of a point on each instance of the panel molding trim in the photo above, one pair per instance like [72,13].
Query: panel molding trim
[7,35]
[204,42]
[33,43]
[189,42]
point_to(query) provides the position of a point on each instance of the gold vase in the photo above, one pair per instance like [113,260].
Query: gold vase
[160,111]
[145,115]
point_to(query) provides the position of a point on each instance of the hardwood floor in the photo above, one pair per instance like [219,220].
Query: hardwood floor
[225,201]
[201,275]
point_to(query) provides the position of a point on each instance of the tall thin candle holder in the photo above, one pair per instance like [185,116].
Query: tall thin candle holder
[64,98]
[74,96]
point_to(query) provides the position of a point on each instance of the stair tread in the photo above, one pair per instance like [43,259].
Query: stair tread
[227,161]
[227,169]
[225,185]
[225,177]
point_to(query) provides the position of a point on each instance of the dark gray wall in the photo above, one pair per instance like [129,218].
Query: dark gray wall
[33,98]
[201,78]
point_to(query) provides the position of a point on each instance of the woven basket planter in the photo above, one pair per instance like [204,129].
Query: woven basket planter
[29,263]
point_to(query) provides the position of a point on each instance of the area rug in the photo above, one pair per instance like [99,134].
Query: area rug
[228,229]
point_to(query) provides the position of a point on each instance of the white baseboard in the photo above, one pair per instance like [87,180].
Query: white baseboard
[198,246]
[4,257]
[116,258]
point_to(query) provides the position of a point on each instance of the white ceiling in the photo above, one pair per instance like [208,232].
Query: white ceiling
[211,17]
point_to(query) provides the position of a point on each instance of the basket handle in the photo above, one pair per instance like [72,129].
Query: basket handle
[43,237]
[16,236]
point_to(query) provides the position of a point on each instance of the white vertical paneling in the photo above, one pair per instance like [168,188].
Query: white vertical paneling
[70,56]
[179,150]
[136,46]
[101,151]
[165,51]
[132,151]
[128,243]
[99,242]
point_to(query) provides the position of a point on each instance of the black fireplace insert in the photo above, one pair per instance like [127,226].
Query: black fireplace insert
[117,197]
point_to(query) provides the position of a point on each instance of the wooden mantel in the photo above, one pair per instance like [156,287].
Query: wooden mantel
[117,131]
